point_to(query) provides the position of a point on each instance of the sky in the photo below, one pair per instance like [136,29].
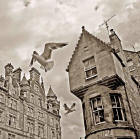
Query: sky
[25,29]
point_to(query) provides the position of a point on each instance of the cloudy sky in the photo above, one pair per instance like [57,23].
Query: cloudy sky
[24,29]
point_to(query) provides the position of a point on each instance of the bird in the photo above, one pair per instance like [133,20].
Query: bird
[96,7]
[69,110]
[26,3]
[44,58]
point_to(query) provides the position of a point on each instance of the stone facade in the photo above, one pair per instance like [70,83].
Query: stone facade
[99,75]
[25,111]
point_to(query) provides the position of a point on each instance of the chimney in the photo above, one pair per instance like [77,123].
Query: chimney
[34,75]
[115,41]
[17,74]
[8,69]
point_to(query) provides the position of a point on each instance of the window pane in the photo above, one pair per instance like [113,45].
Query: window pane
[97,119]
[115,114]
[120,114]
[94,71]
[101,114]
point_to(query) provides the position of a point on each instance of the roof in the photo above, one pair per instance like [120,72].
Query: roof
[17,70]
[51,93]
[9,65]
[86,35]
[24,81]
[132,51]
[34,69]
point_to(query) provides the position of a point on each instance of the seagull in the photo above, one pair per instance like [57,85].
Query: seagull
[26,2]
[69,110]
[44,58]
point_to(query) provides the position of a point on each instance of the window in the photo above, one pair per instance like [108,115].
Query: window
[97,109]
[32,98]
[40,115]
[51,121]
[30,126]
[1,98]
[30,111]
[13,103]
[36,87]
[39,102]
[1,116]
[117,106]
[12,121]
[11,136]
[130,65]
[90,68]
[41,130]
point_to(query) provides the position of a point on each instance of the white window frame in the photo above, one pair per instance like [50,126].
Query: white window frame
[98,109]
[90,68]
[121,108]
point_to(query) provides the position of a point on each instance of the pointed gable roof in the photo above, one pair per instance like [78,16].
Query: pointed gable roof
[51,93]
[24,81]
[85,35]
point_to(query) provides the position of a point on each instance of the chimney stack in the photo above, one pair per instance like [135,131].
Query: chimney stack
[34,75]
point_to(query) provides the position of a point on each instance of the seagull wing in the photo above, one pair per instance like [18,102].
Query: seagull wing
[49,47]
[66,107]
[73,105]
[57,45]
[33,59]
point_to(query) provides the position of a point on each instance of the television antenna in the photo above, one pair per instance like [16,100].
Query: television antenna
[106,23]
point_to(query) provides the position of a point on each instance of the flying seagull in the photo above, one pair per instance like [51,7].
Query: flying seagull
[44,58]
[69,110]
[26,2]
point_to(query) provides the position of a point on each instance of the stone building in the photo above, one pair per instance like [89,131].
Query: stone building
[25,111]
[103,78]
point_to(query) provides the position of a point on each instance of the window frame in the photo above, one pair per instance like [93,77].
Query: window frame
[40,126]
[118,108]
[12,103]
[30,126]
[90,67]
[12,121]
[98,109]
[2,98]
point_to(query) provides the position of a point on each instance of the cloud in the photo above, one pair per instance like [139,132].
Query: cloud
[24,29]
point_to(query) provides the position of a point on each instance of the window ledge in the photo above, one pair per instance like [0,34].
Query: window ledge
[100,123]
[94,76]
[122,121]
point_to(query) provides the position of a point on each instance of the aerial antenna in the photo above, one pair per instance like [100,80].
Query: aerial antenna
[134,48]
[106,23]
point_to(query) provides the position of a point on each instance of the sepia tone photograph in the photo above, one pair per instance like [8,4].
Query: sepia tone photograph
[69,69]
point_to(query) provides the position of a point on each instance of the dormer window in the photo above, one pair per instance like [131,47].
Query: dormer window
[130,65]
[90,68]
